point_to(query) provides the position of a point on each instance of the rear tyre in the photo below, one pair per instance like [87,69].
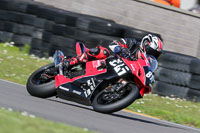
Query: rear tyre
[130,95]
[37,88]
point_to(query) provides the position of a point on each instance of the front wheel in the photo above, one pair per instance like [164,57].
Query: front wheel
[38,88]
[105,102]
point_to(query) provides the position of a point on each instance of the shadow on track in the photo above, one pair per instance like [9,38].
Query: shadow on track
[75,105]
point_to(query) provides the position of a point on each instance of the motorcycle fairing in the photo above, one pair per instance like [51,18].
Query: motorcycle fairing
[149,78]
[80,87]
[83,87]
[79,90]
[117,66]
[92,69]
[140,68]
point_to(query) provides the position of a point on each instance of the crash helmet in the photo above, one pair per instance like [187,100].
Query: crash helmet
[152,45]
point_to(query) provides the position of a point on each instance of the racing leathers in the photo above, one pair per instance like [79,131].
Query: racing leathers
[122,47]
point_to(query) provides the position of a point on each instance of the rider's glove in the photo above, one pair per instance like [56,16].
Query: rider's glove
[117,49]
[125,53]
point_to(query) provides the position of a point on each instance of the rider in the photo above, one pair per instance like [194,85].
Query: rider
[150,44]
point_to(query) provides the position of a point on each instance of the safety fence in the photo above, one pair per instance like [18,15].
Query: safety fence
[46,29]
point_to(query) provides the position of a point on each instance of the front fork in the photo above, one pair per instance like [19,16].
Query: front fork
[60,68]
[121,83]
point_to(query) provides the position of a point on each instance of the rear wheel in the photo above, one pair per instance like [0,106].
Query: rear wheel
[40,88]
[111,101]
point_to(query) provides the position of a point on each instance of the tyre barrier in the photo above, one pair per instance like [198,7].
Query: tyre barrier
[46,29]
[178,75]
[165,89]
[40,22]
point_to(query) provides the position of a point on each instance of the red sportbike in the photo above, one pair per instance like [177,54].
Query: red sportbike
[108,85]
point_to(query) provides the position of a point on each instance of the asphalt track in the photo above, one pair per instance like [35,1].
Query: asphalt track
[15,96]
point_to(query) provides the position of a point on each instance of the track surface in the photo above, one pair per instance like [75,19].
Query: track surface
[16,97]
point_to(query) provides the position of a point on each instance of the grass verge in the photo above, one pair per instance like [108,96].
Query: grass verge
[16,66]
[15,122]
[172,109]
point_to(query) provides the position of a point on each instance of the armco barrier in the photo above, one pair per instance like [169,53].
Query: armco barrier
[47,29]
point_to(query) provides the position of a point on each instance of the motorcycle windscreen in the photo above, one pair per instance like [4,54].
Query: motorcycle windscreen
[58,58]
[153,63]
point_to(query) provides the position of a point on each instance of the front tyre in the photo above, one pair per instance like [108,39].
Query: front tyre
[128,95]
[38,88]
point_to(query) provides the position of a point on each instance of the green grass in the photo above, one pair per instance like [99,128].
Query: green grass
[16,66]
[15,122]
[171,109]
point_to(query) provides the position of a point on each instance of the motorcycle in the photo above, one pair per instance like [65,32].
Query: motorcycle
[108,85]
